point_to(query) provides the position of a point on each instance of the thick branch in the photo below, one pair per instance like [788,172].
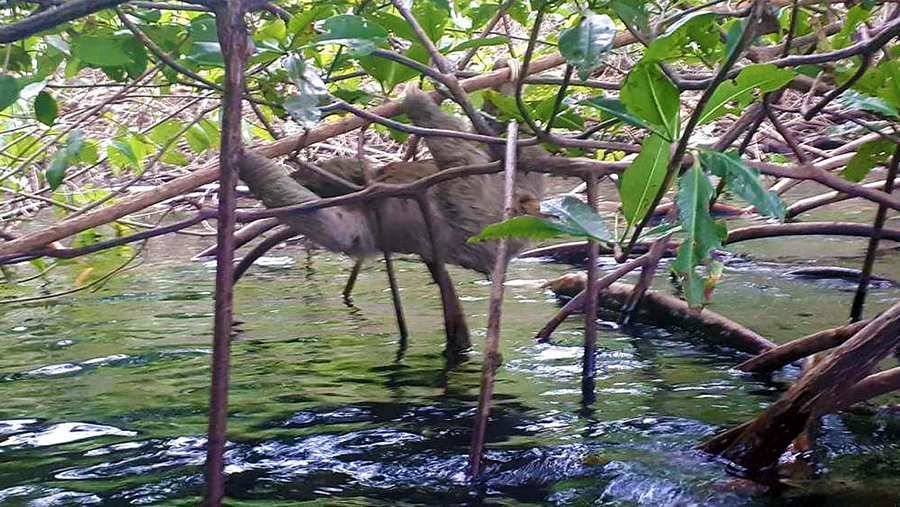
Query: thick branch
[52,17]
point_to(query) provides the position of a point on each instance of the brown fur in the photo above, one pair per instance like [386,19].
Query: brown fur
[462,206]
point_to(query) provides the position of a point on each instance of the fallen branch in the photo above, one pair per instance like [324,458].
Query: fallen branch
[795,350]
[669,311]
[822,390]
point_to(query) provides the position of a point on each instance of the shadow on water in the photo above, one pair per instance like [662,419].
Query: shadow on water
[105,395]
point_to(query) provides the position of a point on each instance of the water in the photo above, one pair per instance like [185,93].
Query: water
[104,393]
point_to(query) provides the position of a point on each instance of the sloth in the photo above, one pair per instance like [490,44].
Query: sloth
[460,207]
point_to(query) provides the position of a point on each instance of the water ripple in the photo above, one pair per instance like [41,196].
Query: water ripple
[64,433]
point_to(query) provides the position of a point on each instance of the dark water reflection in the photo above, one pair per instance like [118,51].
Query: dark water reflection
[104,396]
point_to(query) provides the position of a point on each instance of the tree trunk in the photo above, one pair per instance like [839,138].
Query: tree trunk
[827,386]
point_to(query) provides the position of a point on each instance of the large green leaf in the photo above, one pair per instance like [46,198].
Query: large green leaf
[868,156]
[851,20]
[304,109]
[859,101]
[165,131]
[695,31]
[585,44]
[305,78]
[643,178]
[633,13]
[520,227]
[573,218]
[63,157]
[765,78]
[359,34]
[101,51]
[702,233]
[432,17]
[651,96]
[616,108]
[197,139]
[45,109]
[397,25]
[205,49]
[744,181]
[577,218]
[9,91]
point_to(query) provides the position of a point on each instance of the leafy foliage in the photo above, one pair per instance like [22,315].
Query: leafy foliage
[744,181]
[765,78]
[702,234]
[315,51]
[643,178]
[574,218]
[585,44]
[648,94]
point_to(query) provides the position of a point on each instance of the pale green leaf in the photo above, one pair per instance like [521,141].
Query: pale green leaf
[9,91]
[861,102]
[101,51]
[585,44]
[866,158]
[45,109]
[744,181]
[702,233]
[765,78]
[651,96]
[642,180]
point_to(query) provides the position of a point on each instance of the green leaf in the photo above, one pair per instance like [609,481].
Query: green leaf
[205,49]
[63,157]
[88,154]
[57,42]
[632,12]
[577,218]
[273,30]
[304,109]
[197,139]
[616,109]
[481,14]
[100,51]
[120,154]
[166,130]
[651,96]
[868,156]
[585,44]
[174,157]
[303,106]
[519,227]
[734,36]
[693,31]
[744,181]
[441,4]
[432,17]
[397,25]
[765,78]
[850,21]
[45,108]
[213,132]
[9,91]
[858,101]
[359,34]
[478,43]
[207,53]
[506,106]
[702,234]
[643,178]
[574,218]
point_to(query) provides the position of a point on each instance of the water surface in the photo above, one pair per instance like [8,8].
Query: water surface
[104,393]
